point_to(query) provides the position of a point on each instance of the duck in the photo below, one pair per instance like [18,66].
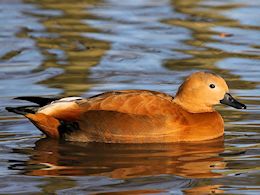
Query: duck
[135,116]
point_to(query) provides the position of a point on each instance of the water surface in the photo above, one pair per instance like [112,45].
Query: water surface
[65,48]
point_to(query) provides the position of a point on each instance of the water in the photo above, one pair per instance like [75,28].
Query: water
[64,48]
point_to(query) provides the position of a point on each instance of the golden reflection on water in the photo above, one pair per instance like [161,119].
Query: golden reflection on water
[80,53]
[65,38]
[192,160]
[207,189]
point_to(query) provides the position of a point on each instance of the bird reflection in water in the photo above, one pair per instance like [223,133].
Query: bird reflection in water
[57,158]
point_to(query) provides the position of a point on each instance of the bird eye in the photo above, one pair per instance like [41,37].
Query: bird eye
[212,86]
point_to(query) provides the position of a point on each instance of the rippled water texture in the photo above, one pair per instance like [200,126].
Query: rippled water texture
[64,48]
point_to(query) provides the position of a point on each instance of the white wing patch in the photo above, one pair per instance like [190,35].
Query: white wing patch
[61,104]
[67,99]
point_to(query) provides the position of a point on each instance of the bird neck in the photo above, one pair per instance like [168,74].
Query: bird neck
[193,106]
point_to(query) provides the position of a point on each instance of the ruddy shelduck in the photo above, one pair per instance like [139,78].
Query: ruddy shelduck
[136,116]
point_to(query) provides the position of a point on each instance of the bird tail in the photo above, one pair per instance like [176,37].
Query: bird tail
[47,124]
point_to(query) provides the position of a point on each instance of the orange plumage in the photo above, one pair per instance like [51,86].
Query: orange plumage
[139,116]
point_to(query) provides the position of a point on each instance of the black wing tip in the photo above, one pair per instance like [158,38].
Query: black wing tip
[27,98]
[10,109]
[41,101]
[23,110]
[16,110]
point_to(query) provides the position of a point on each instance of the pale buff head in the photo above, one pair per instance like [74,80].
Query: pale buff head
[201,91]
